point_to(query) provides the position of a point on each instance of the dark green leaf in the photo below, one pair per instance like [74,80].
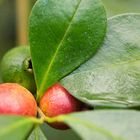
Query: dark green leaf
[105,125]
[64,34]
[112,76]
[15,127]
[37,134]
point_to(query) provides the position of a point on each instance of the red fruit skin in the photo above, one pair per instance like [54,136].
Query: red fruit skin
[16,100]
[57,101]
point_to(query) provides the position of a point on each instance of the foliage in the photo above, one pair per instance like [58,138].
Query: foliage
[111,77]
[68,45]
[67,40]
[114,7]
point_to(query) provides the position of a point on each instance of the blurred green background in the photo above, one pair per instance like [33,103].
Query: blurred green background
[13,32]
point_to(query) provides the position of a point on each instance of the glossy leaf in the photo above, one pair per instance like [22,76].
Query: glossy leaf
[37,134]
[105,125]
[63,35]
[15,127]
[112,76]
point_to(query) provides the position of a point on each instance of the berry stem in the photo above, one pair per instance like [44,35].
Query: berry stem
[45,118]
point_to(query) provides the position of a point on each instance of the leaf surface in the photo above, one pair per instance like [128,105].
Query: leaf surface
[37,134]
[63,35]
[16,127]
[115,7]
[105,125]
[55,134]
[112,77]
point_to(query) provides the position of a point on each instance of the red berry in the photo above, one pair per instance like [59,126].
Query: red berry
[57,101]
[16,100]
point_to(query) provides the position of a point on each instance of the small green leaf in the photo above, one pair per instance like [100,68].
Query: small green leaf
[112,76]
[105,125]
[64,34]
[37,134]
[16,127]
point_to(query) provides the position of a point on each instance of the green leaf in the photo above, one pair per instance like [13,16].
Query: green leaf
[63,35]
[16,127]
[55,134]
[114,7]
[105,125]
[112,76]
[37,134]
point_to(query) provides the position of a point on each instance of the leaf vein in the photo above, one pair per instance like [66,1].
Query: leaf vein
[57,50]
[92,126]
